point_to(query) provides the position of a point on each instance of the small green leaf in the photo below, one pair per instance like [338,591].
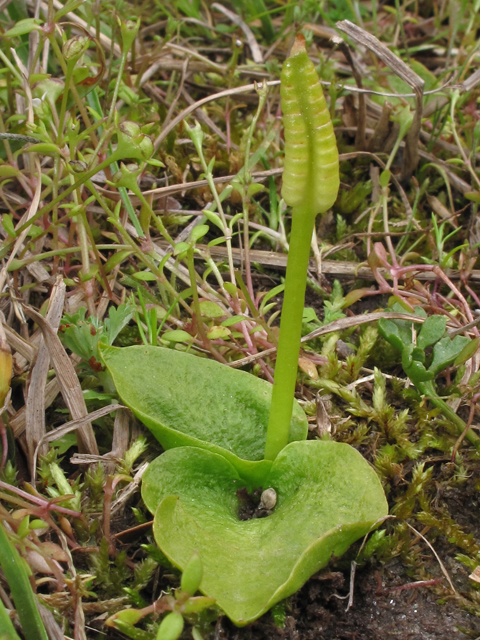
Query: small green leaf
[199,231]
[24,527]
[385,178]
[398,332]
[22,27]
[177,335]
[155,163]
[171,627]
[468,351]
[255,188]
[446,351]
[130,616]
[474,196]
[233,320]
[44,148]
[7,222]
[130,631]
[432,330]
[180,248]
[211,309]
[144,276]
[117,258]
[213,218]
[7,171]
[217,333]
[200,603]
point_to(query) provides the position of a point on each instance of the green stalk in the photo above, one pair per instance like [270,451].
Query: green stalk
[196,301]
[303,220]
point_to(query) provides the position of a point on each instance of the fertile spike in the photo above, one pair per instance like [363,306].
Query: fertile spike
[311,171]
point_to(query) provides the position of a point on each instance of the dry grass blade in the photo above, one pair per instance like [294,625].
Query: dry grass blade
[105,40]
[357,74]
[129,490]
[252,43]
[69,383]
[75,425]
[18,422]
[121,435]
[53,630]
[35,403]
[18,344]
[337,268]
[32,210]
[442,566]
[404,72]
[337,325]
[196,105]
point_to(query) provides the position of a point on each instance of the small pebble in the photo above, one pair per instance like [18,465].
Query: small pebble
[268,499]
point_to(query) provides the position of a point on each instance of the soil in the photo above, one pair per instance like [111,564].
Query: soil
[381,611]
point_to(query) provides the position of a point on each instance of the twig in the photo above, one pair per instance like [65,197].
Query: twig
[337,325]
[252,43]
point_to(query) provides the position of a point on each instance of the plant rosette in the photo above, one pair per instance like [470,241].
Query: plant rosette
[327,497]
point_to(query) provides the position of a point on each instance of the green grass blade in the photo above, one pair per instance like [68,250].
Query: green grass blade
[21,590]
[7,630]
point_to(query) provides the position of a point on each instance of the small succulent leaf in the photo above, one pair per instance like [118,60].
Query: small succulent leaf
[195,605]
[432,330]
[187,400]
[171,627]
[44,148]
[130,616]
[219,333]
[327,497]
[210,309]
[6,171]
[385,178]
[445,353]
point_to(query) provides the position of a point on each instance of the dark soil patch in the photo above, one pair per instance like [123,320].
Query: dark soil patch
[380,611]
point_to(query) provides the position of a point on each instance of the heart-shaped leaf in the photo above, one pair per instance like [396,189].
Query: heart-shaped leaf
[190,401]
[327,497]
